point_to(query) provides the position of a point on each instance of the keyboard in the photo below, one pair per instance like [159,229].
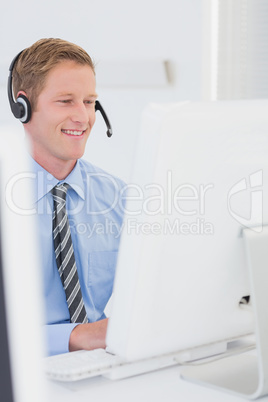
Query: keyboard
[78,365]
[83,364]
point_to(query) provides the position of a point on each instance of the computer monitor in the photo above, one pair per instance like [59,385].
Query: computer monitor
[21,336]
[199,177]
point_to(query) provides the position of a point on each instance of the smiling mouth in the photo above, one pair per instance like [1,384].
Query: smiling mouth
[73,132]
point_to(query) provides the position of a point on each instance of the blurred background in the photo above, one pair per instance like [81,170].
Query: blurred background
[145,51]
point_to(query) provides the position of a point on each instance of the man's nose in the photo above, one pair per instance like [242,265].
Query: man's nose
[81,113]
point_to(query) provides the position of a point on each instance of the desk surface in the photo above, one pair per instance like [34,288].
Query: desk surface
[162,385]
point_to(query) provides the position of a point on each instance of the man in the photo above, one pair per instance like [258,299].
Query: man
[58,80]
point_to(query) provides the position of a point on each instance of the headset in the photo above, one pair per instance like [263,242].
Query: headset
[21,108]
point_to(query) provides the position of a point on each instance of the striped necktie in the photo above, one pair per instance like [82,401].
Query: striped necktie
[65,256]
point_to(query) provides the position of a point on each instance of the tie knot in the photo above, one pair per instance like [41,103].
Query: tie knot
[59,192]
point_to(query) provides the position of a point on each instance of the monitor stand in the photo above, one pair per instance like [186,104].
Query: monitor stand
[245,374]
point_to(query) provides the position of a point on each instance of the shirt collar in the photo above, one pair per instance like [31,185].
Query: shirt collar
[44,181]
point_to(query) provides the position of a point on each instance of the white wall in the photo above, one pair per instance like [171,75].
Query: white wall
[116,30]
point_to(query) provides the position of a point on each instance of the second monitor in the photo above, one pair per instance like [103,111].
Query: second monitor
[200,177]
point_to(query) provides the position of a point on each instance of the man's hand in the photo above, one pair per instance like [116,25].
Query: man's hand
[88,336]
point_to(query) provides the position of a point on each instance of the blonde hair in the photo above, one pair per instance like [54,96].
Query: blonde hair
[35,62]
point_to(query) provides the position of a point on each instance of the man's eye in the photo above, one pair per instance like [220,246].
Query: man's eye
[65,101]
[89,102]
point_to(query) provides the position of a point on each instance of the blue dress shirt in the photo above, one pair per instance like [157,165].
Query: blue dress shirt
[95,209]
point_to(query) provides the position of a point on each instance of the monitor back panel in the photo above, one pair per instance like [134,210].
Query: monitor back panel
[200,176]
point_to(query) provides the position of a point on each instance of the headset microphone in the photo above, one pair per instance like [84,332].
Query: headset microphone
[21,108]
[104,115]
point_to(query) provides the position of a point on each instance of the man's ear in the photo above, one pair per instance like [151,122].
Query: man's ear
[21,93]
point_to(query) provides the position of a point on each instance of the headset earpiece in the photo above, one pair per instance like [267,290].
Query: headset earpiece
[25,108]
[21,108]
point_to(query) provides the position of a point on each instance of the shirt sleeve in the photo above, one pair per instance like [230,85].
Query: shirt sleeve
[57,338]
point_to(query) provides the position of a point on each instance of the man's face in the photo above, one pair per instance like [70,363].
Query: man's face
[64,116]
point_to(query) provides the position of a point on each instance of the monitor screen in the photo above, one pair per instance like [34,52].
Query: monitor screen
[5,378]
[200,176]
[21,336]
